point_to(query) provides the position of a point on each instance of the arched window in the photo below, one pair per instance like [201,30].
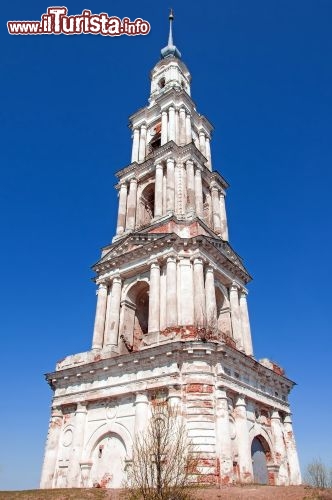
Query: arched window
[162,83]
[135,316]
[146,206]
[223,312]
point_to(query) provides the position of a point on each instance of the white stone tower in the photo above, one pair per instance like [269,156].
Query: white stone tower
[171,318]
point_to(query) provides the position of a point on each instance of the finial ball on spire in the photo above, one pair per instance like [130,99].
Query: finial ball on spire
[171,15]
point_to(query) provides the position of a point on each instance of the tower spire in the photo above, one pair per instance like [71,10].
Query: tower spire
[170,49]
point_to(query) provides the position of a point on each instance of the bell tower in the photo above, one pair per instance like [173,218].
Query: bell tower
[171,318]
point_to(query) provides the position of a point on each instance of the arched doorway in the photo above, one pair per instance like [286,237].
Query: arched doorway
[107,458]
[135,315]
[260,452]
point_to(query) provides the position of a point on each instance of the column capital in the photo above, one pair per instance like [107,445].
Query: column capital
[214,187]
[135,129]
[210,268]
[56,411]
[189,162]
[201,132]
[234,287]
[159,166]
[275,414]
[102,286]
[81,407]
[288,419]
[116,279]
[243,293]
[221,392]
[198,260]
[154,263]
[132,180]
[171,107]
[182,109]
[123,185]
[143,125]
[141,397]
[240,400]
[171,258]
[170,160]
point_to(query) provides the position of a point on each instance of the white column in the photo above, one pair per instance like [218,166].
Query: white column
[246,333]
[223,217]
[188,129]
[120,227]
[164,127]
[279,449]
[134,154]
[163,292]
[208,153]
[235,315]
[202,146]
[215,209]
[174,400]
[74,468]
[158,192]
[98,331]
[154,298]
[170,186]
[199,193]
[131,205]
[209,203]
[171,286]
[141,413]
[177,126]
[178,189]
[171,123]
[293,460]
[210,296]
[182,135]
[142,143]
[190,186]
[51,449]
[113,323]
[186,313]
[199,293]
[243,440]
[223,437]
[165,193]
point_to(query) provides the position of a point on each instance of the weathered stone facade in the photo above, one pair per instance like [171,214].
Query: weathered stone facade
[171,318]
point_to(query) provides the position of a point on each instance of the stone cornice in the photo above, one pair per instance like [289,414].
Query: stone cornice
[117,371]
[170,150]
[126,252]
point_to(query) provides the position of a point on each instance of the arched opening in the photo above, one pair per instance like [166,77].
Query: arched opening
[146,205]
[207,206]
[107,459]
[260,455]
[223,312]
[135,316]
[162,83]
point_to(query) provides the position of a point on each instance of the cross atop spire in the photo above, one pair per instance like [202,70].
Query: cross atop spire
[170,49]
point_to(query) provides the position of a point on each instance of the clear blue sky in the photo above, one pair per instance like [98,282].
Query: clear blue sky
[262,74]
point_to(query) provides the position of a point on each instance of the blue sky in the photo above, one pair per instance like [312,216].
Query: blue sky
[262,74]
